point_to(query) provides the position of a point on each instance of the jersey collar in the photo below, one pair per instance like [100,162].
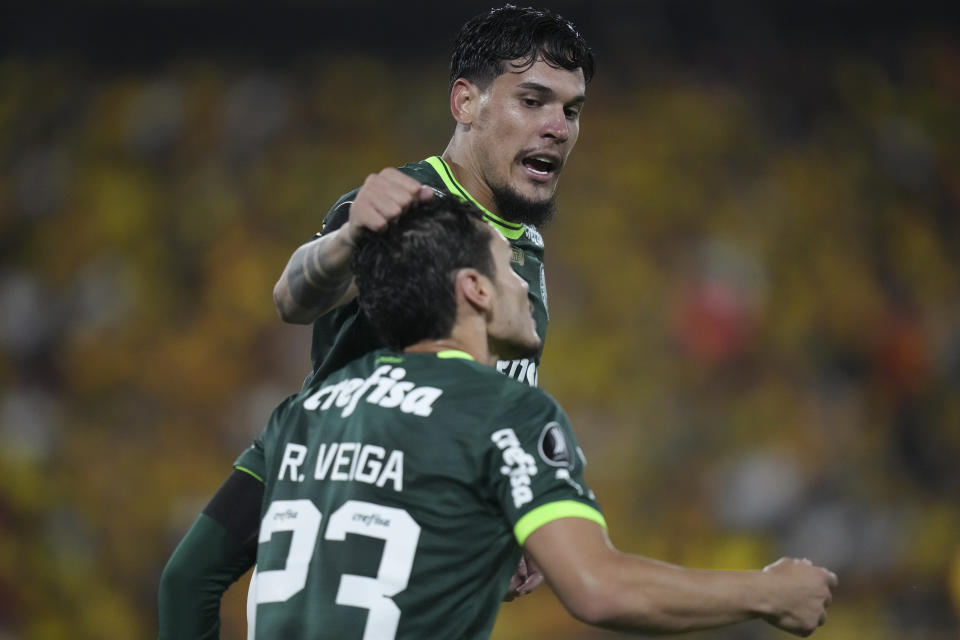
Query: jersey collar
[446,354]
[454,353]
[510,230]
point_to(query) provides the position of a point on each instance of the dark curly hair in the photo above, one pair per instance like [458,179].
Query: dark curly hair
[405,274]
[488,41]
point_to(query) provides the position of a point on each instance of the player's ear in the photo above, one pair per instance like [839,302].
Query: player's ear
[475,288]
[464,99]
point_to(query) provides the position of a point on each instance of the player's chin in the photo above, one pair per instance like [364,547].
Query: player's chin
[519,349]
[539,192]
[530,348]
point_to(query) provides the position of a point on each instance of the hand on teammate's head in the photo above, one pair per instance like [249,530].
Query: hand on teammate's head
[383,197]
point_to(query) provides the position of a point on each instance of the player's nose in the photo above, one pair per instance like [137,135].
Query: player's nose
[555,124]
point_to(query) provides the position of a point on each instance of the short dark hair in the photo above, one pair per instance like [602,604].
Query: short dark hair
[489,40]
[405,273]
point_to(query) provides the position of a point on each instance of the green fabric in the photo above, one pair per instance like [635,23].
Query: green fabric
[511,230]
[338,338]
[205,563]
[251,460]
[343,335]
[249,472]
[472,469]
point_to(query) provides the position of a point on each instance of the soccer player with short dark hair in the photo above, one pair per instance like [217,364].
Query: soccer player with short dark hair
[401,488]
[517,85]
[518,79]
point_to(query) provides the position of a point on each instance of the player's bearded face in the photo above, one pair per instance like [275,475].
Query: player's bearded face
[527,124]
[517,208]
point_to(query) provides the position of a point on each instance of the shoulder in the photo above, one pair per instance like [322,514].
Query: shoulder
[338,213]
[424,172]
[517,402]
[471,388]
[535,419]
[277,422]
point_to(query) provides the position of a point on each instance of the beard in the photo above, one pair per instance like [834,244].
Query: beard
[517,208]
[515,348]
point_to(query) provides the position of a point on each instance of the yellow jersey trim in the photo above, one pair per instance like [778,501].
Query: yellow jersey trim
[510,230]
[551,511]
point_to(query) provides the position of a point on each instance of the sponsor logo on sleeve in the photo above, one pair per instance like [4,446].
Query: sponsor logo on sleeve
[518,465]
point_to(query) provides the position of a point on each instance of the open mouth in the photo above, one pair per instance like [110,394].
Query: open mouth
[541,165]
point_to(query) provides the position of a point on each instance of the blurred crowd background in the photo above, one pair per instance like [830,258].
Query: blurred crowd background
[754,283]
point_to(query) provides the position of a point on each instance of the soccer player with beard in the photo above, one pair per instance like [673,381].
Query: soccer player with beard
[517,86]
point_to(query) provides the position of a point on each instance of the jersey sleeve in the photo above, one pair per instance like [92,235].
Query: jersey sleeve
[205,563]
[338,214]
[253,460]
[537,466]
[340,211]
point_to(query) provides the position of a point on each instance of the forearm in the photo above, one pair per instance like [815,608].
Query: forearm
[653,597]
[208,560]
[317,278]
[219,548]
[606,588]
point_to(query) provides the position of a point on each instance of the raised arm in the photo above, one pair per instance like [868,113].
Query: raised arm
[318,276]
[604,587]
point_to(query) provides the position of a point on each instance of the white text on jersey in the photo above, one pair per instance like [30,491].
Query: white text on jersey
[523,370]
[386,388]
[518,465]
[345,462]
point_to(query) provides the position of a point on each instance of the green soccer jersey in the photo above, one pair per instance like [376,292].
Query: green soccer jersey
[398,493]
[343,334]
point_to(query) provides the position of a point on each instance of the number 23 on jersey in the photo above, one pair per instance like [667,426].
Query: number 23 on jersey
[398,531]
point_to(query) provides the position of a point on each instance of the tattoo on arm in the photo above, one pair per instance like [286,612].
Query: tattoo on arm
[311,283]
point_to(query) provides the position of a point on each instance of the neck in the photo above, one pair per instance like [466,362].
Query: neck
[439,346]
[460,339]
[465,170]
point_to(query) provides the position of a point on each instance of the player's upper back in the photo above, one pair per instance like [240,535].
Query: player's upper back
[428,451]
[373,419]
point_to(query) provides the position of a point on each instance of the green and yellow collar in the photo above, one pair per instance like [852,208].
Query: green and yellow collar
[510,230]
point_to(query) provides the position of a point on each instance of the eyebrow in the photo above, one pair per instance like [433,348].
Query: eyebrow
[544,89]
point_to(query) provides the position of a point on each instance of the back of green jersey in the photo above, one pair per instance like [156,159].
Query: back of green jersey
[398,492]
